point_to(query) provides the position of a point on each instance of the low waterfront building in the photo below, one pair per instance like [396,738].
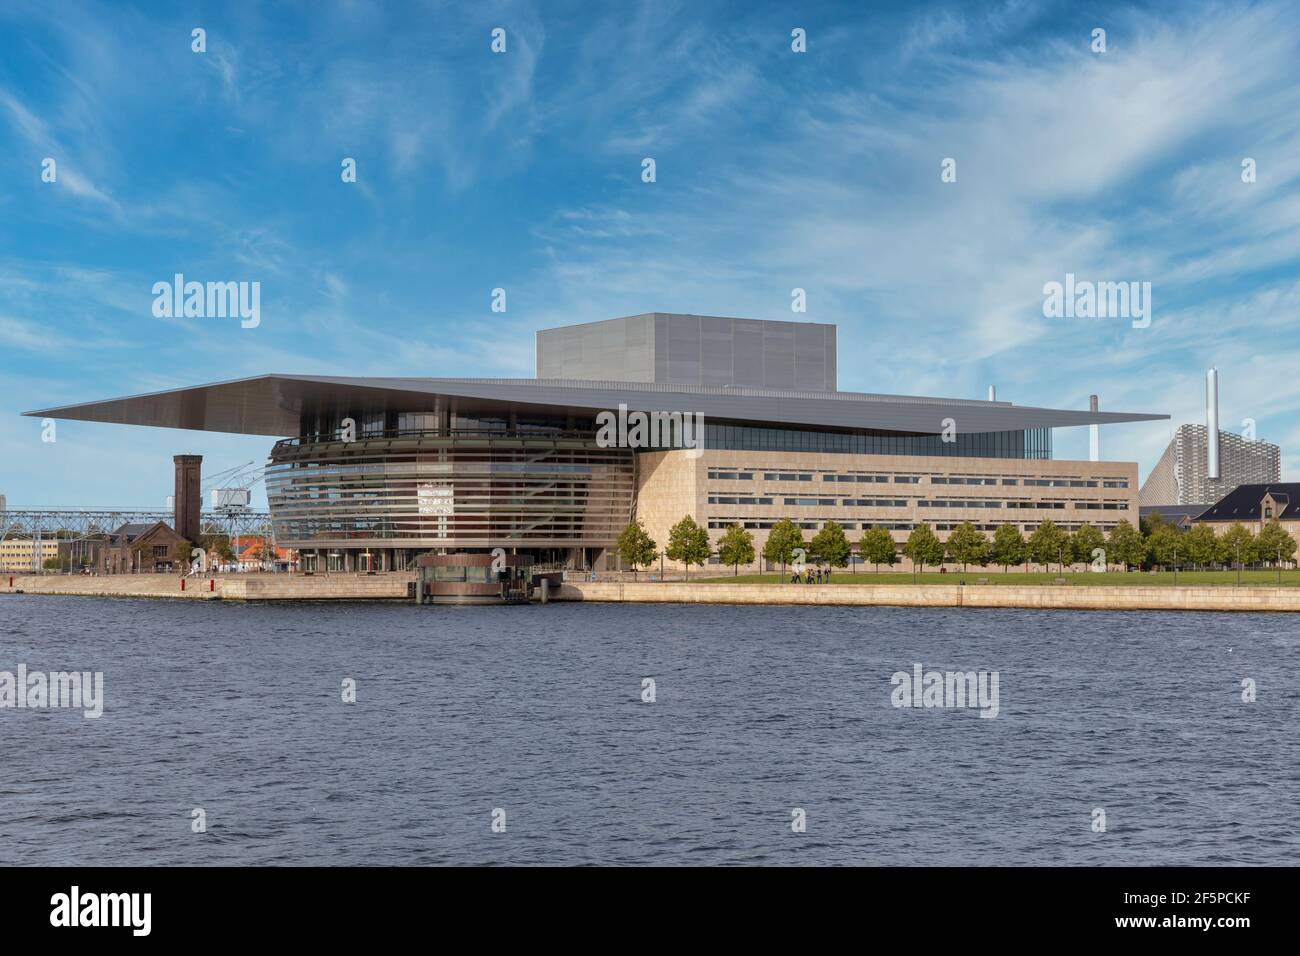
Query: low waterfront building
[143,548]
[1180,516]
[1254,506]
[258,554]
[746,425]
[27,555]
[76,554]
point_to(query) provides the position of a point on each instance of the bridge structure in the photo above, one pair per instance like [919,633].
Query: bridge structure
[66,523]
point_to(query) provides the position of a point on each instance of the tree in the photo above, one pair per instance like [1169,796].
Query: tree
[261,551]
[1049,543]
[831,546]
[1201,543]
[219,543]
[688,543]
[1085,541]
[968,545]
[736,547]
[1125,545]
[877,546]
[1165,544]
[923,547]
[1237,545]
[636,547]
[1274,544]
[1008,547]
[1152,523]
[781,543]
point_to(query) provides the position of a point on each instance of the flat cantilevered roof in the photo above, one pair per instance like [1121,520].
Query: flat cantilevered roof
[271,404]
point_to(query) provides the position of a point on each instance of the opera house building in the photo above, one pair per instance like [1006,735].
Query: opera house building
[368,473]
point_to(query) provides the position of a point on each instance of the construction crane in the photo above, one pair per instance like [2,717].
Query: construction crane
[231,496]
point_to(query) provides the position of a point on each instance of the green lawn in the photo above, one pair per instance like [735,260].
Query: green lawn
[1082,578]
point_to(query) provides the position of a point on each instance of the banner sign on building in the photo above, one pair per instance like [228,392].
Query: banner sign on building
[435,500]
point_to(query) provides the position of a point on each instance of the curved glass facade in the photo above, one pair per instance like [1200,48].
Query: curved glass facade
[418,490]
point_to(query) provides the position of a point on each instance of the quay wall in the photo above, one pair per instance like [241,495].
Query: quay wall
[1062,597]
[240,587]
[393,587]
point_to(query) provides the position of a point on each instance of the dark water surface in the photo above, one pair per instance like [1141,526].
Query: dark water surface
[537,710]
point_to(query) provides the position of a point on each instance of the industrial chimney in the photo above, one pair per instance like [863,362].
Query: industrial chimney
[1212,423]
[993,393]
[1094,433]
[188,498]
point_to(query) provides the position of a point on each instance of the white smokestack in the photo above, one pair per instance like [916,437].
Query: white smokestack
[1094,433]
[993,393]
[1212,423]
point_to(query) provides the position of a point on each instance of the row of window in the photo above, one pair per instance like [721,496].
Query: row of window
[1072,483]
[764,524]
[958,503]
[807,476]
[913,479]
[920,503]
[1064,526]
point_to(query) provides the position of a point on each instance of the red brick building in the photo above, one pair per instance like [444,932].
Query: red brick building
[143,548]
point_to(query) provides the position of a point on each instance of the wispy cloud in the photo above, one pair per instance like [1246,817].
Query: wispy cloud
[776,170]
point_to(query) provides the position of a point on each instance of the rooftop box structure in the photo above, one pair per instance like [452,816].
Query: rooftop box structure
[672,349]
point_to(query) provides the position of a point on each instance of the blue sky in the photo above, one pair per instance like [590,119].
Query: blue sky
[775,170]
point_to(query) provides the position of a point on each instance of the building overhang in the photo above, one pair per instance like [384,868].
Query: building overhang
[272,405]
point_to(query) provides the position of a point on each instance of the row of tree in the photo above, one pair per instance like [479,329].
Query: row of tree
[1155,543]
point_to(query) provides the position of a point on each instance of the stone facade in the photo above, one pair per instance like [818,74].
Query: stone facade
[758,488]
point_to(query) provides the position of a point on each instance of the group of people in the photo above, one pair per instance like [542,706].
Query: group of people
[811,576]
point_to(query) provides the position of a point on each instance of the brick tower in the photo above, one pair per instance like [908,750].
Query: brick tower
[188,498]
